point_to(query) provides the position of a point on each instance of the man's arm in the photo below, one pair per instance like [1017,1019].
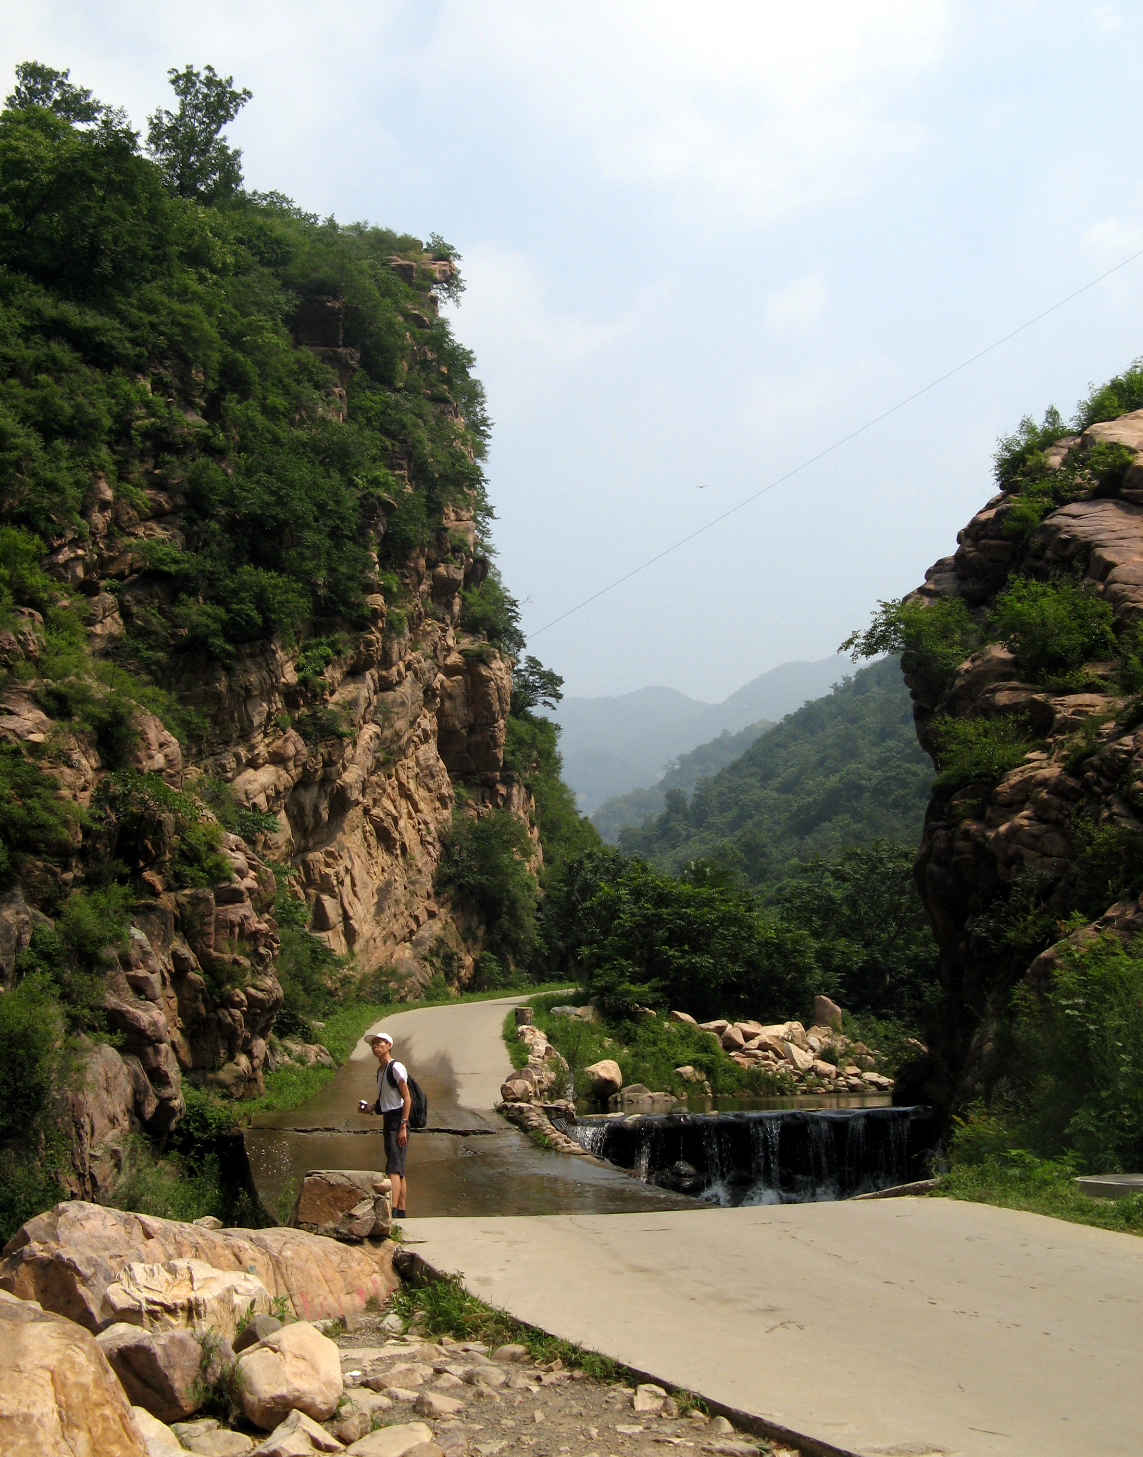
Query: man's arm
[406,1108]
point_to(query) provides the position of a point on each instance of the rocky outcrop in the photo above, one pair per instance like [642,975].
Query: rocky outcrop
[71,1257]
[1027,827]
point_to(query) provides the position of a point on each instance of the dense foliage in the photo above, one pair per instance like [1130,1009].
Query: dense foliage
[842,770]
[622,811]
[148,340]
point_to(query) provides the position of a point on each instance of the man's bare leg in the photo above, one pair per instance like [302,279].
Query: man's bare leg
[398,1190]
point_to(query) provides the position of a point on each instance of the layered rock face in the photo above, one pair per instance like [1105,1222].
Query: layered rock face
[1026,833]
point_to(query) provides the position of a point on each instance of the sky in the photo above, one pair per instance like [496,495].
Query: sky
[701,244]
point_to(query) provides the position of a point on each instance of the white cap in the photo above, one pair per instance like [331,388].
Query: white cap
[380,1037]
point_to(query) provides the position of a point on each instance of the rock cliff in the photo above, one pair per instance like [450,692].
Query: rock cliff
[1023,666]
[337,766]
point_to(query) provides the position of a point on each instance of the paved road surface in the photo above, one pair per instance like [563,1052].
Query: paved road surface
[903,1326]
[470,1161]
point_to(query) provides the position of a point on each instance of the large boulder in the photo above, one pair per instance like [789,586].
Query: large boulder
[58,1395]
[605,1077]
[827,1013]
[159,1370]
[158,1438]
[345,1204]
[185,1293]
[295,1369]
[68,1257]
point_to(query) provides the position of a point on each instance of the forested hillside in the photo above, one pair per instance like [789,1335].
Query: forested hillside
[624,810]
[266,753]
[841,771]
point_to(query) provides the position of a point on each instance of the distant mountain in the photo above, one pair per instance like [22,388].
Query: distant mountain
[841,771]
[613,745]
[623,810]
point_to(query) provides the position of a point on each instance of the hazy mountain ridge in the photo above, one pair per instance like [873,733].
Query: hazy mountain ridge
[616,744]
[840,771]
[624,810]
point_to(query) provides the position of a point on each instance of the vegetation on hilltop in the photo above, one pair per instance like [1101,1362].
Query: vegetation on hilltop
[842,770]
[684,772]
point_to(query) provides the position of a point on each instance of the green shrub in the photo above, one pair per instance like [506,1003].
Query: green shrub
[872,939]
[932,638]
[1053,628]
[1119,396]
[69,953]
[531,752]
[1015,452]
[490,609]
[976,751]
[30,1027]
[484,866]
[1081,1049]
[152,825]
[32,820]
[632,935]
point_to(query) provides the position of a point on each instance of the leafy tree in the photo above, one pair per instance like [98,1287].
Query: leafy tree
[932,639]
[534,685]
[40,85]
[484,866]
[187,143]
[872,938]
[634,935]
[492,610]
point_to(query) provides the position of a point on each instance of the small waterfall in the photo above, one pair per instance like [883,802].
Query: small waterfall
[766,1157]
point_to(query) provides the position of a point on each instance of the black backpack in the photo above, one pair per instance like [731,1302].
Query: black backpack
[419,1109]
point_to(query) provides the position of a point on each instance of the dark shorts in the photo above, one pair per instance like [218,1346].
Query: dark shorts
[394,1153]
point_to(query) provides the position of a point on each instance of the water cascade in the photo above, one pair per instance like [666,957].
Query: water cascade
[766,1157]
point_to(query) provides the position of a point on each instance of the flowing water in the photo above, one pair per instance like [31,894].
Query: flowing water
[766,1157]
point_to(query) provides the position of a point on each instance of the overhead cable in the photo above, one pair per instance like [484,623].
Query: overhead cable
[837,444]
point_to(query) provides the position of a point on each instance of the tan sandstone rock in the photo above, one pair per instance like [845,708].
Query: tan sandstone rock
[298,1436]
[184,1293]
[158,1438]
[605,1077]
[159,1370]
[827,1013]
[67,1258]
[395,1441]
[296,1368]
[58,1395]
[345,1204]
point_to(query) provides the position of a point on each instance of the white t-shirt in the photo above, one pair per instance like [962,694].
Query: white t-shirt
[390,1096]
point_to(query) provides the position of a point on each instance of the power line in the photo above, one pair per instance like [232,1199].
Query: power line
[837,444]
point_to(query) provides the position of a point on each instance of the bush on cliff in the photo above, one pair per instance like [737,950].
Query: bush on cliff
[1053,628]
[484,866]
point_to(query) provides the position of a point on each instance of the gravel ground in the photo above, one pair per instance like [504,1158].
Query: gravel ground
[507,1406]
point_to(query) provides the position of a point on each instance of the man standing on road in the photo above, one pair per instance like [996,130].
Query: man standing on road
[394,1103]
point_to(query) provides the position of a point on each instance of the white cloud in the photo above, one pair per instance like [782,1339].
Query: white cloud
[1111,239]
[1107,19]
[524,342]
[758,110]
[797,307]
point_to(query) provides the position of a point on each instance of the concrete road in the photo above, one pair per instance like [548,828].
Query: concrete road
[898,1326]
[470,1161]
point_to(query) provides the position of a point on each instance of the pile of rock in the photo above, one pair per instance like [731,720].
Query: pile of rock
[544,1076]
[820,1059]
[115,1329]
